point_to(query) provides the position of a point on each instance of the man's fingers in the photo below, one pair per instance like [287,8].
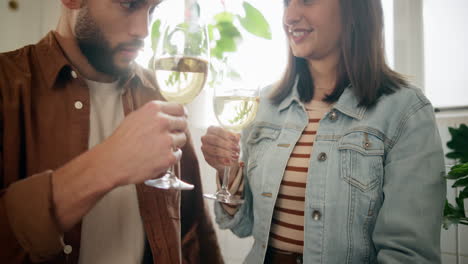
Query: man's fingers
[173,109]
[177,123]
[178,140]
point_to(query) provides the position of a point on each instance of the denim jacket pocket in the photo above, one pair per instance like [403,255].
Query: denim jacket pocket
[361,159]
[259,141]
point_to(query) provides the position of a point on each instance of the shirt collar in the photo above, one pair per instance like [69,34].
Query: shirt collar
[52,62]
[348,103]
[51,58]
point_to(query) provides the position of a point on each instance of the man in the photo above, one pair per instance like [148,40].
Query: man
[82,127]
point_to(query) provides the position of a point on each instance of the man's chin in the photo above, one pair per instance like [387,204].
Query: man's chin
[124,68]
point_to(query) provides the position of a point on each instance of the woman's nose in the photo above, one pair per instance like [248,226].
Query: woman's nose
[292,13]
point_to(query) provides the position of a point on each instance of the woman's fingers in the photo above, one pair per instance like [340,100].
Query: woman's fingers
[223,133]
[213,150]
[221,143]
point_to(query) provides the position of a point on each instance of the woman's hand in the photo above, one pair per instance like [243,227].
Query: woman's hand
[220,148]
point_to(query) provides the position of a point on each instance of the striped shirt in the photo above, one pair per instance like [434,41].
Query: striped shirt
[287,227]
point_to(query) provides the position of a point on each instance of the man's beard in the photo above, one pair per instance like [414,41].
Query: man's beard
[96,48]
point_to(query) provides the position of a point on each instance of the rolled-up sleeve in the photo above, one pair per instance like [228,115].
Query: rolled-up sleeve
[29,211]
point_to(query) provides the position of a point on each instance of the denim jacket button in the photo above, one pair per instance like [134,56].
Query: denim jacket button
[333,116]
[322,156]
[316,215]
[256,135]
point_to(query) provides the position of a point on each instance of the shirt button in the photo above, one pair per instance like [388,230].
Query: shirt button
[67,249]
[333,116]
[78,105]
[316,215]
[73,74]
[322,156]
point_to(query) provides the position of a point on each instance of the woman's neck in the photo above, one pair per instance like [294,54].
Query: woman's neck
[325,75]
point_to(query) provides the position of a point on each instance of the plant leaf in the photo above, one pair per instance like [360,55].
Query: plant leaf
[458,143]
[229,38]
[224,17]
[460,207]
[461,183]
[254,22]
[452,215]
[155,34]
[458,171]
[463,194]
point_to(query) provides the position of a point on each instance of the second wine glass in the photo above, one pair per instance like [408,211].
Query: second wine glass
[235,106]
[180,65]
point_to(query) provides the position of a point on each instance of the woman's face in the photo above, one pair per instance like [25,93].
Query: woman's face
[313,28]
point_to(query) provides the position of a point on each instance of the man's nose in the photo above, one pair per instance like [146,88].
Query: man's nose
[139,27]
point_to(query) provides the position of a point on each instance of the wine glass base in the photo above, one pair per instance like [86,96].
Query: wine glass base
[168,182]
[222,198]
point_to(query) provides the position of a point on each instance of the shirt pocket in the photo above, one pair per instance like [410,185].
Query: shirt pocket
[361,160]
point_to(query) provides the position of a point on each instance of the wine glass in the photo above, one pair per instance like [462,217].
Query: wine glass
[235,107]
[180,65]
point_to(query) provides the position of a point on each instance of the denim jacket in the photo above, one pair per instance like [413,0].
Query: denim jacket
[375,191]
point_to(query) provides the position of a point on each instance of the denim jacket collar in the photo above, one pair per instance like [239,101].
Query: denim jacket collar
[292,97]
[347,104]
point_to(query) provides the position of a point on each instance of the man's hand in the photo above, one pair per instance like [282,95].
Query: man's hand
[141,148]
[143,145]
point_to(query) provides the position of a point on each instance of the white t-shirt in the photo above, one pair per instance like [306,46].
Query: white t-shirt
[112,231]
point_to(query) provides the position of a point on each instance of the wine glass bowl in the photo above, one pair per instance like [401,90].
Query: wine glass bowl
[236,109]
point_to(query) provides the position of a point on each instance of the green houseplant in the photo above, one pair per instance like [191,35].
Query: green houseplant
[225,30]
[455,213]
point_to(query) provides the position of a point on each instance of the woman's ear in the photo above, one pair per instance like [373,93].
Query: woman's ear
[72,4]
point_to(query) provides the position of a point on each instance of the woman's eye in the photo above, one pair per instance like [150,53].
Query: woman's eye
[308,1]
[286,2]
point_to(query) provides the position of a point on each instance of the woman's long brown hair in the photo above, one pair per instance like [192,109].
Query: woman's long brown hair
[362,64]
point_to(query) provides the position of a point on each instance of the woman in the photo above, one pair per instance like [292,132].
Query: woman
[343,163]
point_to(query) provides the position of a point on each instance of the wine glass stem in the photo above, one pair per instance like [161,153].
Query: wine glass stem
[224,184]
[172,170]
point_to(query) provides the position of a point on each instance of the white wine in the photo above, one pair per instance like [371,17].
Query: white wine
[180,79]
[235,112]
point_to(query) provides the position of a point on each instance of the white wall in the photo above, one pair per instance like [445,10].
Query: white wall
[28,24]
[408,40]
[446,53]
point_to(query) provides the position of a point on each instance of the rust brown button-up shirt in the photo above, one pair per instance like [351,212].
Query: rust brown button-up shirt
[44,123]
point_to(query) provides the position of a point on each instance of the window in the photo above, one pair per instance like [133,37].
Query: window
[446,52]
